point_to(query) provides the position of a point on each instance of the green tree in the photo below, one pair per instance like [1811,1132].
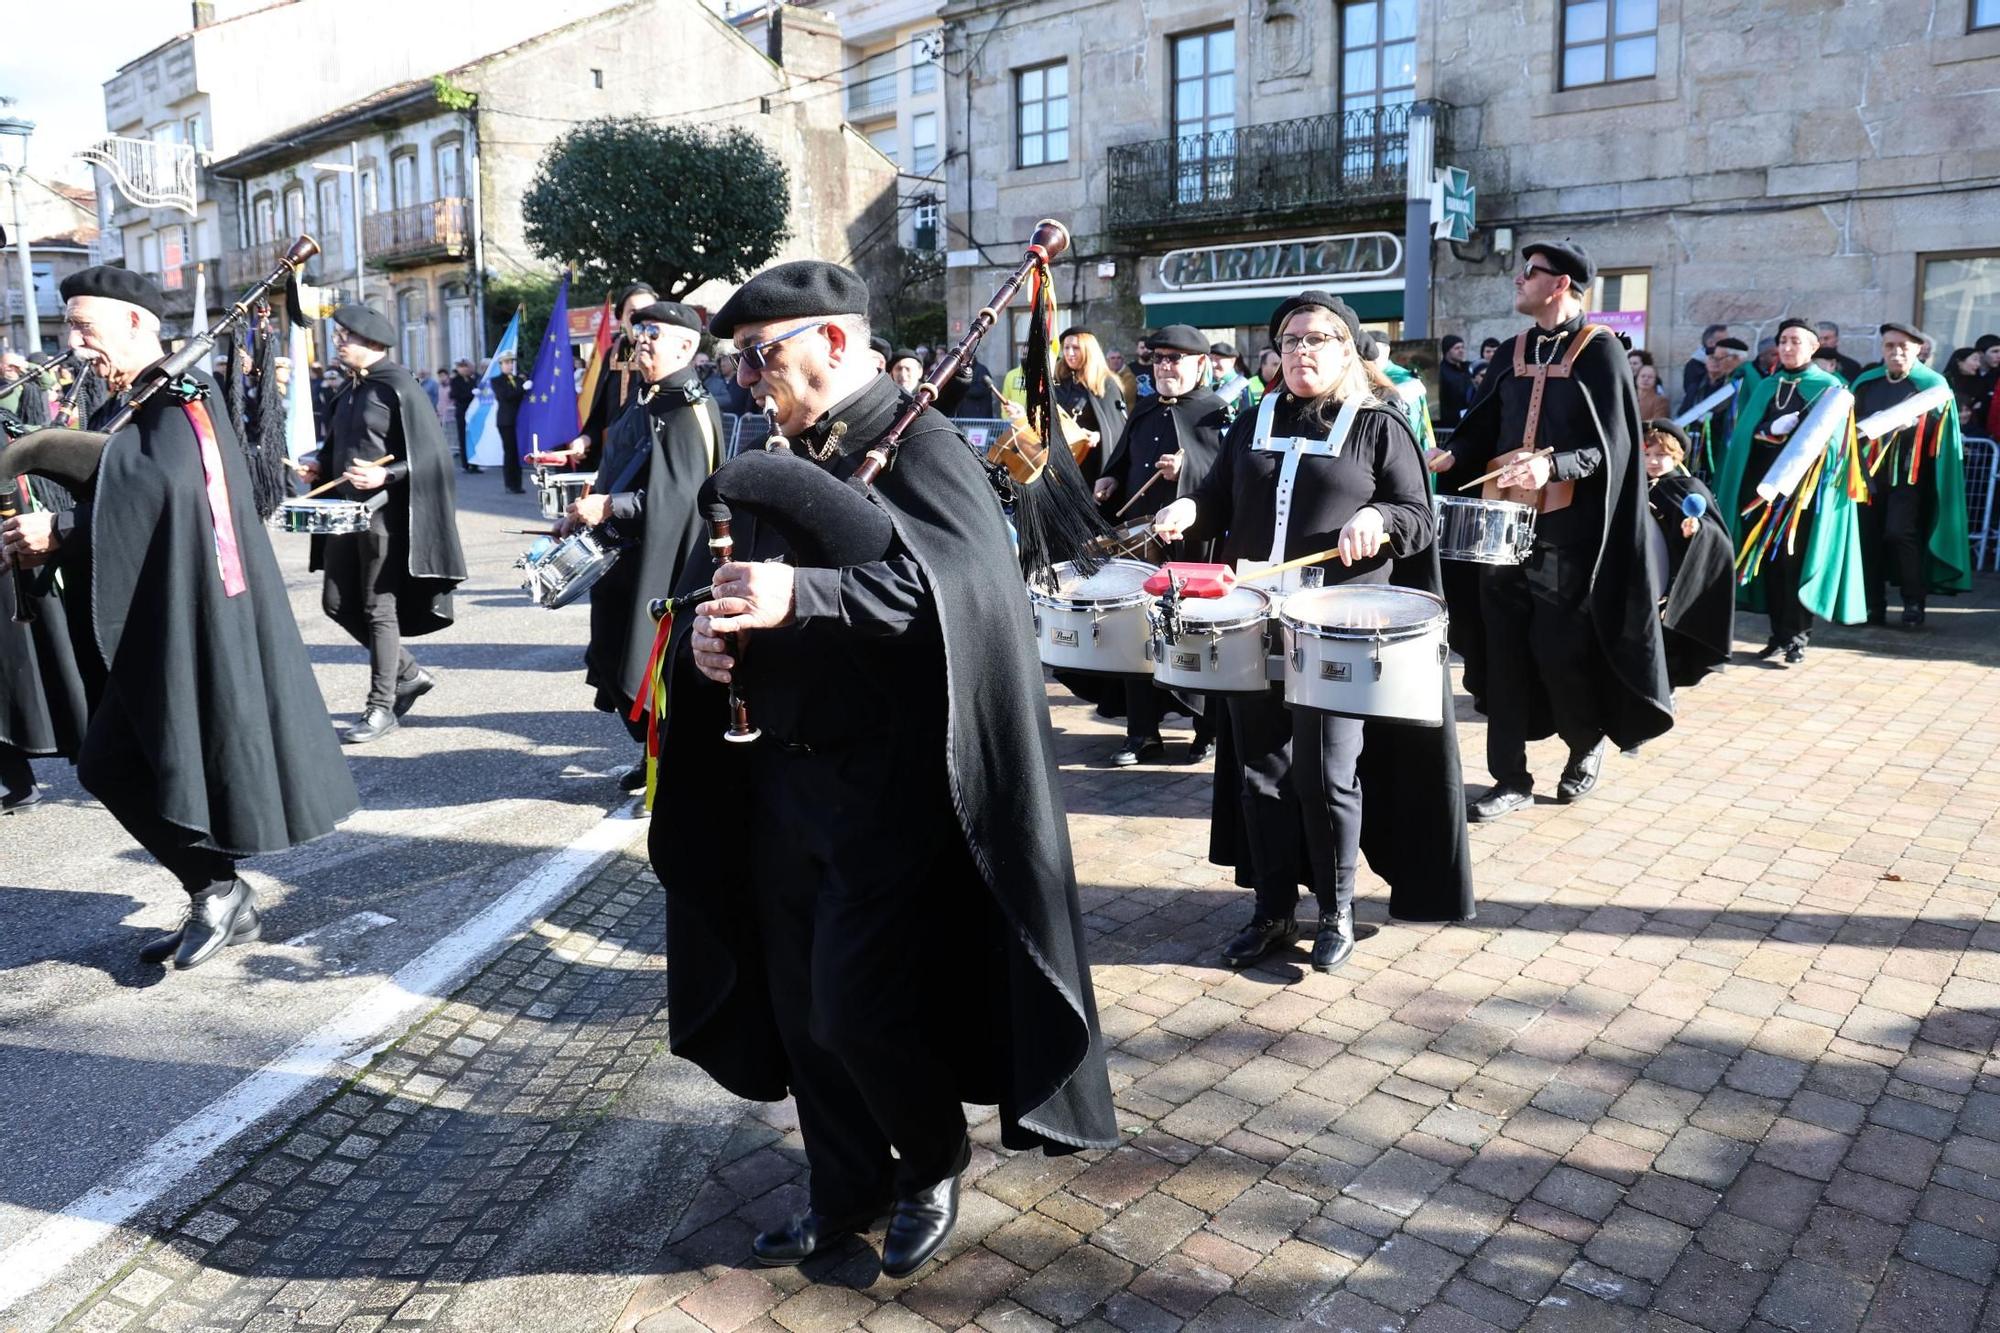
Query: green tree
[535,295]
[674,205]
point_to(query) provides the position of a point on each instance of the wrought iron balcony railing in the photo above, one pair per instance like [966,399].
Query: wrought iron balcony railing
[1313,163]
[441,229]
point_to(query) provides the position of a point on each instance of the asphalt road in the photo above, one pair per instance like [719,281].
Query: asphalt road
[504,762]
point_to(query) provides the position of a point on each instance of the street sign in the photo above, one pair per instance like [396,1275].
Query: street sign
[1457,208]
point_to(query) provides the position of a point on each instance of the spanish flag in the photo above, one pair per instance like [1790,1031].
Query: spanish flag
[600,354]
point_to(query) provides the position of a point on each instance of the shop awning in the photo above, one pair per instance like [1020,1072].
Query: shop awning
[1233,307]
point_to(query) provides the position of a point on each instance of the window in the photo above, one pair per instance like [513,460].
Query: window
[1378,53]
[176,263]
[403,180]
[450,180]
[1958,297]
[1204,114]
[1619,299]
[923,143]
[872,83]
[193,134]
[1608,41]
[1985,14]
[410,314]
[327,194]
[368,196]
[597,78]
[923,60]
[924,222]
[264,213]
[295,210]
[887,141]
[1041,114]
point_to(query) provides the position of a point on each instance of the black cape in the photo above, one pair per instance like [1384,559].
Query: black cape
[208,710]
[1413,829]
[653,526]
[1600,404]
[1032,1044]
[1200,419]
[1103,413]
[1699,619]
[422,505]
[43,710]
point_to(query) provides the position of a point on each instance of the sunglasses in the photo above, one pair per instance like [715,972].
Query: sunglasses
[649,332]
[752,357]
[1533,269]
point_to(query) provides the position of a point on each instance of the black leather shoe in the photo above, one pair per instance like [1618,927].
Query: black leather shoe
[1140,752]
[805,1235]
[1504,799]
[1579,776]
[1258,939]
[413,689]
[1795,652]
[27,797]
[215,923]
[373,726]
[249,925]
[918,1225]
[1199,749]
[1770,650]
[1913,616]
[1334,944]
[633,778]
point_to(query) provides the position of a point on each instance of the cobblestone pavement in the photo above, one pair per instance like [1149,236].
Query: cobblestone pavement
[1718,1054]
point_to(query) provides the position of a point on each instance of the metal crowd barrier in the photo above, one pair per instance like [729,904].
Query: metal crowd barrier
[1982,480]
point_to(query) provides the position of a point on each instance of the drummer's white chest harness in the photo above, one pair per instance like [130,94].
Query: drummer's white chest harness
[1294,448]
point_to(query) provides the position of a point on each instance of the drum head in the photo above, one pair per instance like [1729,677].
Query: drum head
[1237,605]
[1116,581]
[1364,610]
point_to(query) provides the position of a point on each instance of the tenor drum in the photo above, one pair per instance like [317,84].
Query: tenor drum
[1096,622]
[1369,651]
[322,518]
[556,573]
[1218,645]
[560,488]
[1484,532]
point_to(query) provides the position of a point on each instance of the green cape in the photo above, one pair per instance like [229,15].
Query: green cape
[1949,568]
[1417,411]
[1831,585]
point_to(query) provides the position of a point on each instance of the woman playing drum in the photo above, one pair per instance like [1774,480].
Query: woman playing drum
[1328,462]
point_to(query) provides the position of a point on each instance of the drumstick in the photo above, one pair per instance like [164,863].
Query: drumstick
[1291,565]
[1136,494]
[321,490]
[1539,453]
[534,532]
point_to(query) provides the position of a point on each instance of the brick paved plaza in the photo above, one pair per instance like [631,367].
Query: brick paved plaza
[1718,1054]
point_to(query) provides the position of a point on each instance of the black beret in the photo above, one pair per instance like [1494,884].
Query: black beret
[1368,346]
[789,291]
[1450,341]
[1665,426]
[368,324]
[115,284]
[1797,323]
[668,312]
[1179,338]
[881,345]
[1075,331]
[1565,257]
[1987,342]
[629,291]
[906,354]
[1733,345]
[1222,349]
[1909,331]
[1317,300]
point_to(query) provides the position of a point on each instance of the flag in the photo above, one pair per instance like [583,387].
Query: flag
[548,413]
[200,299]
[483,429]
[600,357]
[298,396]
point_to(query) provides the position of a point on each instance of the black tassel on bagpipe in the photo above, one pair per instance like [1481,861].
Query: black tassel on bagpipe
[1055,517]
[234,405]
[264,434]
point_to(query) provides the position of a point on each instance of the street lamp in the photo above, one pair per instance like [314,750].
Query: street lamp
[21,129]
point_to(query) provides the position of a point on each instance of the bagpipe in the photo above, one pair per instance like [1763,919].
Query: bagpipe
[1791,485]
[830,523]
[70,457]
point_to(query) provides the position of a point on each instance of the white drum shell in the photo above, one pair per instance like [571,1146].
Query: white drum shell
[1110,633]
[566,571]
[1227,654]
[1483,532]
[558,489]
[322,518]
[1391,675]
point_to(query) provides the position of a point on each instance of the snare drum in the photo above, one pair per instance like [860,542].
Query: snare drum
[1218,645]
[556,573]
[560,488]
[1368,651]
[1484,532]
[322,518]
[1096,623]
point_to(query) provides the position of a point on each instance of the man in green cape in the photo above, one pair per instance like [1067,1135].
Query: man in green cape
[1913,526]
[1798,555]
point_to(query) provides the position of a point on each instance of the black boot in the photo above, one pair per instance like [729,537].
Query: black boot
[807,1234]
[1913,615]
[1262,936]
[373,726]
[1334,944]
[216,922]
[633,778]
[1579,777]
[918,1226]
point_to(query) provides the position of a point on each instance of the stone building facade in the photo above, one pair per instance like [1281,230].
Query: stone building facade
[61,226]
[1724,160]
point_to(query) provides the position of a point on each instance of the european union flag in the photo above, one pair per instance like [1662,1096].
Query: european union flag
[548,414]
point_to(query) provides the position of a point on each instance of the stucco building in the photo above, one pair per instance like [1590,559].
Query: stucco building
[61,227]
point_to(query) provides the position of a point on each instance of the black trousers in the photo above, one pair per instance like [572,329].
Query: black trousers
[16,774]
[1142,712]
[1780,579]
[853,843]
[510,458]
[1298,773]
[464,453]
[201,872]
[1895,541]
[1538,630]
[358,595]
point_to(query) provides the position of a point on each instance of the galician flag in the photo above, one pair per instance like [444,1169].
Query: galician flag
[483,428]
[548,413]
[298,395]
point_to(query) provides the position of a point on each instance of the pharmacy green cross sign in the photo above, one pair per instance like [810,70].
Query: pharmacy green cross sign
[1457,209]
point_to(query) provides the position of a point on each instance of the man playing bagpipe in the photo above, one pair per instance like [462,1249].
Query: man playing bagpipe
[1788,488]
[1913,528]
[1697,569]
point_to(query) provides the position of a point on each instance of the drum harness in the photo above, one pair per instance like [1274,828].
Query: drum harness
[1294,448]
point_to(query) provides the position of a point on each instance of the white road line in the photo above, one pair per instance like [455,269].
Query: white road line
[43,1253]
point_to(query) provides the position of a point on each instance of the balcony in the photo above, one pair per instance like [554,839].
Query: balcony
[1313,168]
[419,234]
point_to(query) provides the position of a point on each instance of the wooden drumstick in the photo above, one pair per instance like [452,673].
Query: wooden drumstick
[1136,494]
[1539,453]
[1291,565]
[321,490]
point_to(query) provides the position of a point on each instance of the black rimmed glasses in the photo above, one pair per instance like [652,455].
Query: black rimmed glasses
[751,358]
[1306,342]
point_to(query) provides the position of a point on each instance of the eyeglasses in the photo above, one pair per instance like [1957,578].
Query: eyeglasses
[1162,358]
[752,358]
[650,332]
[1532,270]
[1310,342]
